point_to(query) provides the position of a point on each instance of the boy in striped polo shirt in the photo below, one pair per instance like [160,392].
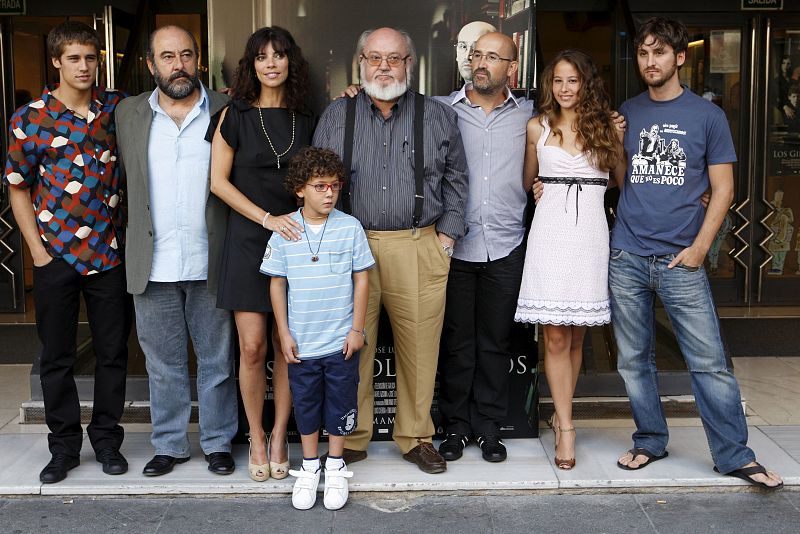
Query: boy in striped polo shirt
[321,319]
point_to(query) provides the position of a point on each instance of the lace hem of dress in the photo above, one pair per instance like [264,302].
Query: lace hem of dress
[563,313]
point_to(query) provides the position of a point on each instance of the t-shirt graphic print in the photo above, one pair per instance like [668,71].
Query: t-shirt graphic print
[669,146]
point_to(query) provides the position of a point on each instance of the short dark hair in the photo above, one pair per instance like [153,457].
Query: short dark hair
[665,31]
[71,31]
[312,162]
[151,54]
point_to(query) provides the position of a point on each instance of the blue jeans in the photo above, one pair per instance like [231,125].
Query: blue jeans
[167,314]
[634,281]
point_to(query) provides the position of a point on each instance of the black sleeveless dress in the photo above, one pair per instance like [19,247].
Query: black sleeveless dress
[256,174]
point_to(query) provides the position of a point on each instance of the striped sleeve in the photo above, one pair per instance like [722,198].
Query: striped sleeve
[274,262]
[362,256]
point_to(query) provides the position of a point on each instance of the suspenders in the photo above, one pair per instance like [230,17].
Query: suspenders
[419,156]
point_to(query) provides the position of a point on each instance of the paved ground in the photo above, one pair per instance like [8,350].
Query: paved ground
[515,512]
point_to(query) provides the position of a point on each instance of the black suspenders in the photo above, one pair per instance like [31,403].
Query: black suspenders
[419,156]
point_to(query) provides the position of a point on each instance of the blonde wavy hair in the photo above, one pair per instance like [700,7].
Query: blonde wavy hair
[596,133]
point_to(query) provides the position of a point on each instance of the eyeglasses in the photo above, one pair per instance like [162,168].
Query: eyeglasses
[376,59]
[491,58]
[463,46]
[321,188]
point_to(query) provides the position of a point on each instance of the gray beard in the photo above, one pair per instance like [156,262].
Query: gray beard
[177,90]
[386,93]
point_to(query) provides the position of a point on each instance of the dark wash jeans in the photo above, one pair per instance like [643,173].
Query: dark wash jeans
[56,292]
[476,344]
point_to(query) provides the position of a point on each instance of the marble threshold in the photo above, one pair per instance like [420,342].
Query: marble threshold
[529,467]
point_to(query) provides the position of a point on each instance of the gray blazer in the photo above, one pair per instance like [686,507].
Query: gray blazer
[133,118]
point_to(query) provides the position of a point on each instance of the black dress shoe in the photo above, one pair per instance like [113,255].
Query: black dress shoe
[220,463]
[161,464]
[56,469]
[453,446]
[113,461]
[492,449]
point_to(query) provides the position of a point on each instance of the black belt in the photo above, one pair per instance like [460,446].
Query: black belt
[569,181]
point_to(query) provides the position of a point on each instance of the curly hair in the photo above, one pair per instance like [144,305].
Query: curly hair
[596,133]
[246,85]
[309,163]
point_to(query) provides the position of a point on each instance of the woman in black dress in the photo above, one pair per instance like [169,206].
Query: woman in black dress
[264,125]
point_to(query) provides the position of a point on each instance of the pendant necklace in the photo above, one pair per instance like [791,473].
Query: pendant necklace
[278,156]
[314,255]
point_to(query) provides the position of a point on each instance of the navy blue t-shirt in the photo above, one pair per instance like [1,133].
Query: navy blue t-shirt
[669,146]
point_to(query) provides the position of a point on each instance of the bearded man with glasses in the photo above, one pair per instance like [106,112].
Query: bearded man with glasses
[408,188]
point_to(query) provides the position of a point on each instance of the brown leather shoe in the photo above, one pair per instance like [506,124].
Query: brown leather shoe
[426,458]
[350,456]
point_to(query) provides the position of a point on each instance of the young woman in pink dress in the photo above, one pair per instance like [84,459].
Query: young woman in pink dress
[572,146]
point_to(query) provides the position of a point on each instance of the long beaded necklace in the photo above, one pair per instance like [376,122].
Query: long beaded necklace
[314,255]
[278,156]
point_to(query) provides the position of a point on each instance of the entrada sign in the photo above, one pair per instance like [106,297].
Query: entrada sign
[12,7]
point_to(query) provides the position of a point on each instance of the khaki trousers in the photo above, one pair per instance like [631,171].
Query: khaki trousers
[410,280]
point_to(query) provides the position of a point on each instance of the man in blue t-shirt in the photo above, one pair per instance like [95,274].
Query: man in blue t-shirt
[678,145]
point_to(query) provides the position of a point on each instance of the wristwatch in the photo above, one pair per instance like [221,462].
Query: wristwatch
[448,250]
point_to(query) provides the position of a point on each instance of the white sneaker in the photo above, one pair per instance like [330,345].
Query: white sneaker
[336,490]
[304,494]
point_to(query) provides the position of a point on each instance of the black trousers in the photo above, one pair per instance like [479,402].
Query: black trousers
[56,291]
[474,360]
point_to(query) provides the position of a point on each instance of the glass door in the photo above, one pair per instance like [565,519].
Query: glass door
[122,61]
[778,275]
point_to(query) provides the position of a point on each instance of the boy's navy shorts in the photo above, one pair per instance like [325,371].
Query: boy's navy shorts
[325,393]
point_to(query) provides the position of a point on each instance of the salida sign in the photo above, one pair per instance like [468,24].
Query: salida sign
[762,5]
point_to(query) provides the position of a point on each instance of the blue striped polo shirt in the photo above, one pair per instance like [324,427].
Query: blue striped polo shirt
[320,293]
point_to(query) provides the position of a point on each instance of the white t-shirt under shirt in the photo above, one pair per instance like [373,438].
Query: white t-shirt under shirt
[669,146]
[320,295]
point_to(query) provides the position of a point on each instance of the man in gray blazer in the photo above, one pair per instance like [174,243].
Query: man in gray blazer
[174,240]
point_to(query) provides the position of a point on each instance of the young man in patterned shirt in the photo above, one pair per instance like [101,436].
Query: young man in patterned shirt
[64,188]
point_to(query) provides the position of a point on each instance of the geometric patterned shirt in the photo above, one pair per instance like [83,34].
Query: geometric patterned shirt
[70,166]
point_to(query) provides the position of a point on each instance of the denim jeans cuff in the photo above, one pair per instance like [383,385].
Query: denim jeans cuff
[736,463]
[658,451]
[217,449]
[174,454]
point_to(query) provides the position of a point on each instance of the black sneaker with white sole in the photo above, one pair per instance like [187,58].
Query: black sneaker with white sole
[492,448]
[452,447]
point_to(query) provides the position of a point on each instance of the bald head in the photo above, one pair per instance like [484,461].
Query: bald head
[467,37]
[497,42]
[489,78]
[391,37]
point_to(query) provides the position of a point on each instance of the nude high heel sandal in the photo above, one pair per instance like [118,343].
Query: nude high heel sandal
[279,470]
[258,472]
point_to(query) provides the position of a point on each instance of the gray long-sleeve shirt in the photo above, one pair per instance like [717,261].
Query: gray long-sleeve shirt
[382,179]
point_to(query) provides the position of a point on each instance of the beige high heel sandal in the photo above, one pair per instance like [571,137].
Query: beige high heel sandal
[279,470]
[258,472]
